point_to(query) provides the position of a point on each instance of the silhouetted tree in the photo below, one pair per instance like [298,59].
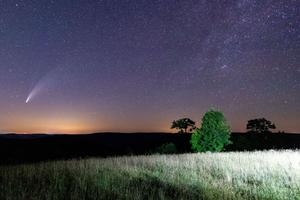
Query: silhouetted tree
[260,125]
[213,135]
[184,125]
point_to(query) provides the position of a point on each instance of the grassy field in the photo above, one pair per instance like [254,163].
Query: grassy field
[244,175]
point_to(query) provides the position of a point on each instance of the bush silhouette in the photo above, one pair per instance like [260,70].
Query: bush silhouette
[184,125]
[260,125]
[169,148]
[213,135]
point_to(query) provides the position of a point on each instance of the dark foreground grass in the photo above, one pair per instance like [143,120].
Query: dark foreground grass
[256,175]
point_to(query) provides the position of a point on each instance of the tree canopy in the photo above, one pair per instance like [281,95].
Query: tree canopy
[260,125]
[184,125]
[213,135]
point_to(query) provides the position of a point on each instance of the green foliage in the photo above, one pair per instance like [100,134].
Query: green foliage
[184,125]
[168,148]
[213,135]
[260,125]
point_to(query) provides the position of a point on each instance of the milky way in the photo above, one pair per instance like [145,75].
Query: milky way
[138,65]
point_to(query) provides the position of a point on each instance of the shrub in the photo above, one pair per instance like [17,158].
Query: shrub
[168,148]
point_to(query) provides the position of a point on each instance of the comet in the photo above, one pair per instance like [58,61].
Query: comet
[27,100]
[41,86]
[36,90]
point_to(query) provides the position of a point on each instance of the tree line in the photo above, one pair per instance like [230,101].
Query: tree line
[214,133]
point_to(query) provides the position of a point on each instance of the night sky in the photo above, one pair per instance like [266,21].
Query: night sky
[136,65]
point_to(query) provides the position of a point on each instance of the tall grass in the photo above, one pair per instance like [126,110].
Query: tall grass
[244,175]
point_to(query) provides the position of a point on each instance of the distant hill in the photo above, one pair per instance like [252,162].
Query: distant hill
[23,136]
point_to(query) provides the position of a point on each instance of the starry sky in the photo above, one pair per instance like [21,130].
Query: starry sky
[136,65]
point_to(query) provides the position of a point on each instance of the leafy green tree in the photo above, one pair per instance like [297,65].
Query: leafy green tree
[260,125]
[213,135]
[184,125]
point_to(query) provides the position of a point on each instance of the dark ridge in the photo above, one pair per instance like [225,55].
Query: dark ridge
[22,148]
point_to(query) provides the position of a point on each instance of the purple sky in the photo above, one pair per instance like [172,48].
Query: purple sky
[111,65]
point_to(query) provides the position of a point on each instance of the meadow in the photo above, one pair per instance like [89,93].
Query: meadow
[234,175]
